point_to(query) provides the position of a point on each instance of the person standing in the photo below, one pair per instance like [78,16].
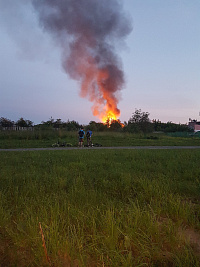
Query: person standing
[81,134]
[89,135]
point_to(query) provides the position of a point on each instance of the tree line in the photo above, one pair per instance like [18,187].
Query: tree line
[138,123]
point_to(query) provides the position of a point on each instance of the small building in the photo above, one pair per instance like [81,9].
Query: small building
[195,125]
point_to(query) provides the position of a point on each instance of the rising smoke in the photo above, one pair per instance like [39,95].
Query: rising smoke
[88,31]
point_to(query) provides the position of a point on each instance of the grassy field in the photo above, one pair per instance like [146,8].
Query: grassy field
[100,208]
[44,138]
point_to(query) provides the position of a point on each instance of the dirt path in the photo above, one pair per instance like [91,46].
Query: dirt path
[91,148]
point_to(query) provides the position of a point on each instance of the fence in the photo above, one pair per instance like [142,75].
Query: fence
[17,128]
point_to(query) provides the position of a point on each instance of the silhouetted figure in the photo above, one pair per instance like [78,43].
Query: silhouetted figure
[89,138]
[81,134]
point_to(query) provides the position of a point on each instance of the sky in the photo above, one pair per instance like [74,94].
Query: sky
[160,59]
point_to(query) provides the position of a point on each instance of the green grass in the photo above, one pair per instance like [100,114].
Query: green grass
[100,208]
[46,138]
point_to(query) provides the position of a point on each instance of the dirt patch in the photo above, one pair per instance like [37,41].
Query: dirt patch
[193,237]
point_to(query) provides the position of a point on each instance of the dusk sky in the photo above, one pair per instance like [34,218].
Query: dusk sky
[160,59]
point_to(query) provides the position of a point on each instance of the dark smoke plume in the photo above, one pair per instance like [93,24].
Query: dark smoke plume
[88,31]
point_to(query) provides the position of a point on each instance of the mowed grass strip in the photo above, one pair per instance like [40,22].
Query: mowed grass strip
[100,208]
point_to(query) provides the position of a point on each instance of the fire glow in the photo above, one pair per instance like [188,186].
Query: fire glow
[95,86]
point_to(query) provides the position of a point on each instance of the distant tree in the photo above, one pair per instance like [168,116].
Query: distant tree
[138,116]
[29,123]
[170,127]
[157,125]
[58,123]
[125,123]
[101,127]
[92,126]
[115,125]
[48,123]
[140,122]
[72,125]
[4,122]
[24,123]
[97,126]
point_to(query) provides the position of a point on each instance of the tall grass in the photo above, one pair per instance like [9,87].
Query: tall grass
[100,208]
[45,138]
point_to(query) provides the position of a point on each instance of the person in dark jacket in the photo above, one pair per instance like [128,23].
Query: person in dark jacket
[81,134]
[89,136]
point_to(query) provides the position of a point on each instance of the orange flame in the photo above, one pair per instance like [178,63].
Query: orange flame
[95,86]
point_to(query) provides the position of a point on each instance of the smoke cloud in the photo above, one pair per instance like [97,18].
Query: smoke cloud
[88,32]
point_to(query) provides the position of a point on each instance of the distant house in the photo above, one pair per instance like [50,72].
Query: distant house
[195,125]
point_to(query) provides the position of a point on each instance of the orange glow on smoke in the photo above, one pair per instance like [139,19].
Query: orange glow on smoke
[96,86]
